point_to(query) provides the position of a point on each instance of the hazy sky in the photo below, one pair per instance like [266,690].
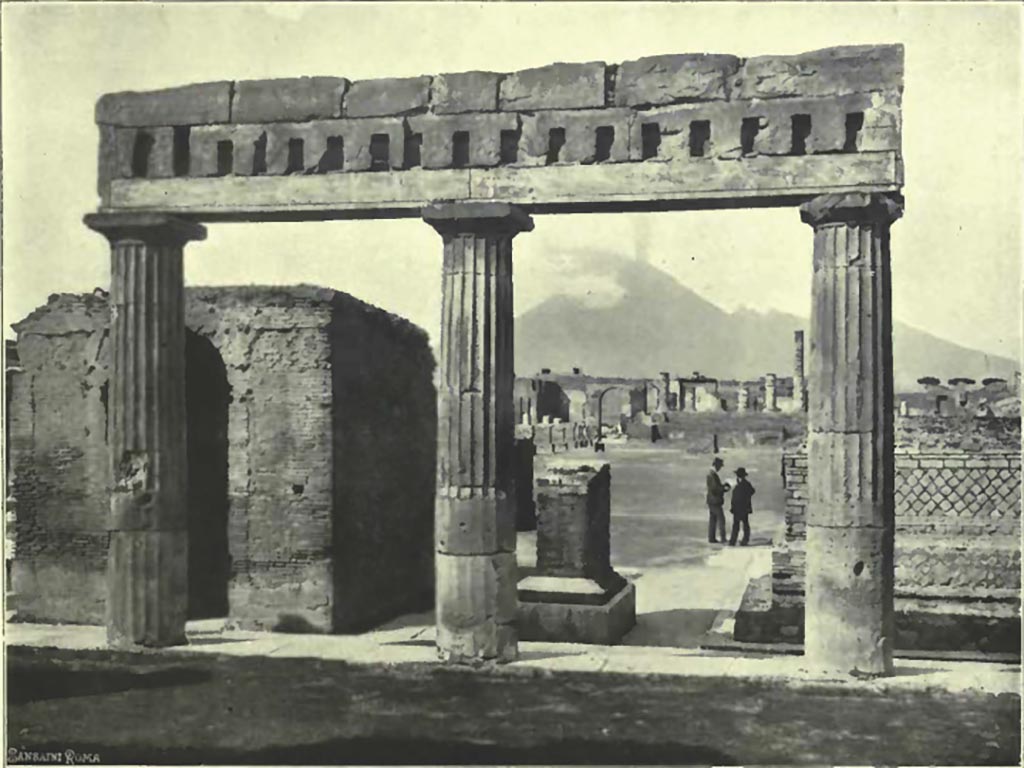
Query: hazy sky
[956,252]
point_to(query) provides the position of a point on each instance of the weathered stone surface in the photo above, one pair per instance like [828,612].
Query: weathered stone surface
[473,590]
[290,99]
[115,156]
[161,156]
[828,72]
[573,521]
[560,622]
[195,104]
[674,78]
[484,137]
[580,127]
[203,141]
[473,526]
[849,614]
[357,136]
[388,96]
[304,458]
[458,92]
[557,86]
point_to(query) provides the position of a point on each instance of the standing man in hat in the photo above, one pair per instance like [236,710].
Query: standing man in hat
[716,501]
[741,508]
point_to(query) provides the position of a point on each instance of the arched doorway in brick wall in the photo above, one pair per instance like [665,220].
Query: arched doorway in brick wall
[207,395]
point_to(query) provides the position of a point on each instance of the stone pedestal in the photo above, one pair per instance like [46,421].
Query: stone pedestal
[575,595]
[475,513]
[147,596]
[850,516]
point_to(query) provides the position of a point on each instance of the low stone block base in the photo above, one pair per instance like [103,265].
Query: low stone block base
[942,625]
[554,613]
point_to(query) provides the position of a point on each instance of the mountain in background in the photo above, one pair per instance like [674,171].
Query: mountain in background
[659,324]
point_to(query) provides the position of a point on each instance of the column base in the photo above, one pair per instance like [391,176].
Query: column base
[147,597]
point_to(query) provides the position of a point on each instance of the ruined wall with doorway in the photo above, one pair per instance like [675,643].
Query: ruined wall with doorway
[311,459]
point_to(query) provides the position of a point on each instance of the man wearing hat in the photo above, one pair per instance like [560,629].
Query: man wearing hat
[740,507]
[716,501]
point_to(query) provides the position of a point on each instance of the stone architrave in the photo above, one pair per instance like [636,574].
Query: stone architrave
[147,596]
[475,515]
[850,516]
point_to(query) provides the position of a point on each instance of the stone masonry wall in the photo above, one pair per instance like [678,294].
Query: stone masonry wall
[58,468]
[289,409]
[668,107]
[385,451]
[957,536]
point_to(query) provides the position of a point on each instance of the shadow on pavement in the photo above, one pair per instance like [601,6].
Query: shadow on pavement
[677,628]
[391,751]
[29,683]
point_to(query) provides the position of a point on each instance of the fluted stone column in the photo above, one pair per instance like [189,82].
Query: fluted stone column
[147,592]
[474,515]
[742,399]
[850,515]
[799,385]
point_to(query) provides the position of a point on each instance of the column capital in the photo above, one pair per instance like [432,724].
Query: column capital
[155,228]
[852,208]
[477,218]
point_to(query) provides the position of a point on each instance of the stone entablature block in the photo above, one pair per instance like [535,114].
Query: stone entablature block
[682,108]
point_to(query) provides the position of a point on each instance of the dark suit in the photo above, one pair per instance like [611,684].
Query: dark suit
[741,509]
[716,500]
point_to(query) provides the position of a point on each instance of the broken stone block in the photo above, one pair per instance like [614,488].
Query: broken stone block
[882,124]
[557,86]
[195,104]
[828,72]
[292,99]
[580,133]
[674,78]
[454,93]
[484,137]
[387,96]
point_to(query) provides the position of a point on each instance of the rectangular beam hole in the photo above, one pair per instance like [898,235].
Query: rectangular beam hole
[650,140]
[509,147]
[603,141]
[140,154]
[380,152]
[749,129]
[556,140]
[854,124]
[296,162]
[225,157]
[700,135]
[259,155]
[180,158]
[801,125]
[333,158]
[460,149]
[412,152]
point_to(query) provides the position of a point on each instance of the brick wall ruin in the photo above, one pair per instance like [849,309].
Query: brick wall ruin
[311,459]
[957,560]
